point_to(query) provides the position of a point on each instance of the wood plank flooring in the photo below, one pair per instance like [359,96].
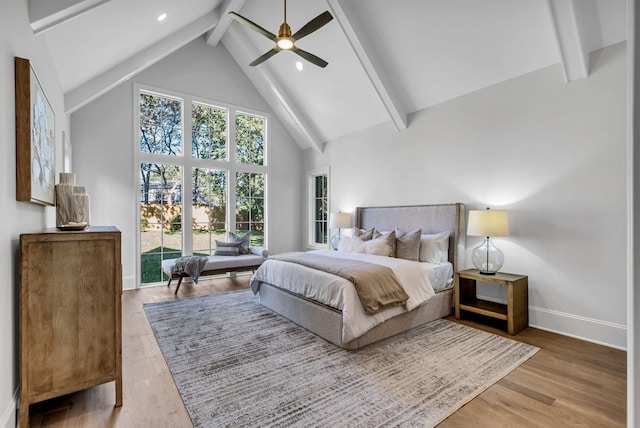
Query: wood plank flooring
[568,383]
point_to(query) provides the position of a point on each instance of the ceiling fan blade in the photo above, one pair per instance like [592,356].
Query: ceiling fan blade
[255,27]
[310,57]
[264,57]
[313,25]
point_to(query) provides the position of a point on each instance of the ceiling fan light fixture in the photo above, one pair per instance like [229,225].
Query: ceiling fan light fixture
[285,43]
[284,40]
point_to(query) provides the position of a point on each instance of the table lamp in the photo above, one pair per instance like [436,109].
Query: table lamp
[486,257]
[338,221]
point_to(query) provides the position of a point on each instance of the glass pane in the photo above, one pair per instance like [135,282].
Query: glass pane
[257,210]
[257,185]
[250,137]
[160,124]
[209,137]
[321,185]
[151,239]
[242,184]
[160,218]
[202,243]
[209,208]
[319,209]
[242,210]
[320,233]
[257,234]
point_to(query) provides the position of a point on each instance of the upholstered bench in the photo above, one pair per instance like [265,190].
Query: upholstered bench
[220,264]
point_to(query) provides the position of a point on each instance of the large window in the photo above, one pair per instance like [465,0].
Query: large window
[318,194]
[199,177]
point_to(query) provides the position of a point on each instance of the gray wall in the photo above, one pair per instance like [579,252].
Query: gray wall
[551,153]
[102,136]
[19,217]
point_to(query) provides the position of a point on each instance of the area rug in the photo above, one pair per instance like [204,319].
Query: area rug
[237,363]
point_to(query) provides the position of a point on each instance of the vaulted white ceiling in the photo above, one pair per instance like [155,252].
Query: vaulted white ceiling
[386,59]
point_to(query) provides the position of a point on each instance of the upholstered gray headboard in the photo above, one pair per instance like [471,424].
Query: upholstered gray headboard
[430,218]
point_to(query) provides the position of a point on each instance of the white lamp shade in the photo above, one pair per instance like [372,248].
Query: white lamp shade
[488,223]
[339,220]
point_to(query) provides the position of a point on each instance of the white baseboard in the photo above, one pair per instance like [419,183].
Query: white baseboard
[589,329]
[9,415]
[584,328]
[129,282]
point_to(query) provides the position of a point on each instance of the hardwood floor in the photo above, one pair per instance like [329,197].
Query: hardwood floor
[567,383]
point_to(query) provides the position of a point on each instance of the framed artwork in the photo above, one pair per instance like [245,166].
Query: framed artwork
[35,138]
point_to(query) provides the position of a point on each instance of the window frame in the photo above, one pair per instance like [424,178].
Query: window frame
[188,162]
[311,217]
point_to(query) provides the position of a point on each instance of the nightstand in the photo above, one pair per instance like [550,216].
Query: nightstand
[515,312]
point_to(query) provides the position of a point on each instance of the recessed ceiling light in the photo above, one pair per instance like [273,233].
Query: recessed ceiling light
[162,17]
[299,66]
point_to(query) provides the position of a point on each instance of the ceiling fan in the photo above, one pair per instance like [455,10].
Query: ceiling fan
[284,40]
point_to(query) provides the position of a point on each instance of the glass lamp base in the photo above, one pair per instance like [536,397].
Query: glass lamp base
[487,258]
[335,241]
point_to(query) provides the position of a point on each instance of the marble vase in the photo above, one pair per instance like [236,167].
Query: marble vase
[72,202]
[81,205]
[64,199]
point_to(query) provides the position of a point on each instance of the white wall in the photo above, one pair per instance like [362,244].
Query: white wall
[102,138]
[551,153]
[16,39]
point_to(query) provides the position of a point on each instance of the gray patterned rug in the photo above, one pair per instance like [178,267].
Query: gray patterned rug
[237,363]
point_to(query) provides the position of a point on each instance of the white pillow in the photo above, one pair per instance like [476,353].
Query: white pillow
[383,246]
[351,245]
[434,248]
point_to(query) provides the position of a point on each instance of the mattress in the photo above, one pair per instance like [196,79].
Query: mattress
[418,280]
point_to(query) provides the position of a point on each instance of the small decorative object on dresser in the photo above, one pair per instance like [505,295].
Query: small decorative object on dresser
[486,257]
[72,204]
[515,312]
[70,313]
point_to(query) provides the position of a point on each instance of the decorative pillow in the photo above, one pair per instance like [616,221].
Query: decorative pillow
[434,248]
[385,245]
[377,234]
[408,245]
[363,234]
[244,241]
[227,248]
[351,245]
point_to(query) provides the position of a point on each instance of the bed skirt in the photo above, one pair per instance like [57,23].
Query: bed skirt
[326,322]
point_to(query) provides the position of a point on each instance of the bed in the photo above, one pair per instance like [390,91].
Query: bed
[275,276]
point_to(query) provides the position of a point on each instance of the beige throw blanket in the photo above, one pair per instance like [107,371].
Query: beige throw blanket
[376,285]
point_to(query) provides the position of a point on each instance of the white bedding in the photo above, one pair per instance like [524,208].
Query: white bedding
[417,279]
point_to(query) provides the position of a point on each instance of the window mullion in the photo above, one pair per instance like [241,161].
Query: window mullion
[233,169]
[187,177]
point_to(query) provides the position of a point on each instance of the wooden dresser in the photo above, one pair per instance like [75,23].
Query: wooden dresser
[70,313]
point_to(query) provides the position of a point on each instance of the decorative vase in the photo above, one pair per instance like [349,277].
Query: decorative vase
[81,205]
[64,199]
